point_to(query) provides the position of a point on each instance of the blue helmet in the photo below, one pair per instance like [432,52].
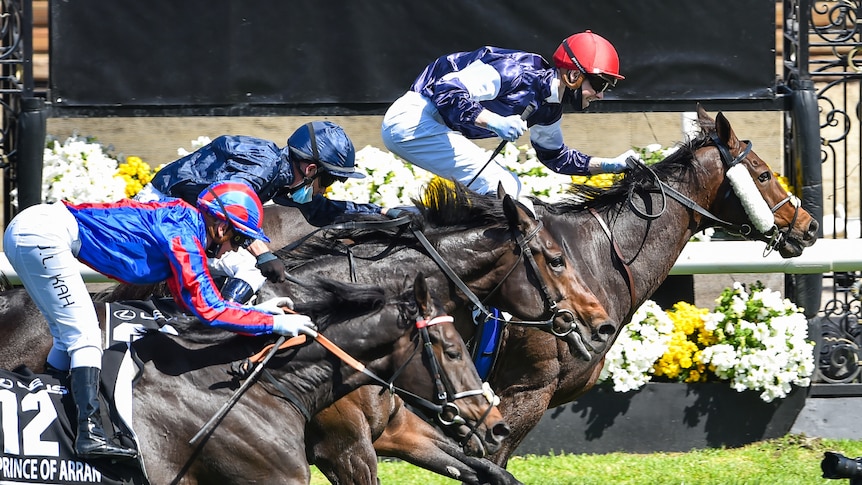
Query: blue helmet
[238,204]
[327,145]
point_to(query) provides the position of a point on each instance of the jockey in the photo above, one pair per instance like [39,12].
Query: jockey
[317,155]
[493,91]
[139,243]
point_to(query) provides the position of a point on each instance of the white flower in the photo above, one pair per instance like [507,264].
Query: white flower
[79,171]
[762,344]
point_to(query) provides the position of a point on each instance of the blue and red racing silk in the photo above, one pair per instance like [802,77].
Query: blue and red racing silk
[146,243]
[505,82]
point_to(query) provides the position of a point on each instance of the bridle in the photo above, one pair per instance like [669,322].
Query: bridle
[775,234]
[524,254]
[445,405]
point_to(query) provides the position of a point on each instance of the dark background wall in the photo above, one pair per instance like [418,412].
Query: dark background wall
[347,56]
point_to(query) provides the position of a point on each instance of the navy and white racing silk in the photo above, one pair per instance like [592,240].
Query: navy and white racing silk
[505,82]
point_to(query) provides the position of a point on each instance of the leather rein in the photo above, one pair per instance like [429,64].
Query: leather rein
[729,161]
[445,404]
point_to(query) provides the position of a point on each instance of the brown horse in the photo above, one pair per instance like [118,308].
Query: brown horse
[535,370]
[489,244]
[625,241]
[261,439]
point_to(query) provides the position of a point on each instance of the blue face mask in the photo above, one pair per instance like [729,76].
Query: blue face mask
[302,195]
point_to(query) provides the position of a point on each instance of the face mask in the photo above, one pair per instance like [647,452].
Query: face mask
[302,195]
[575,97]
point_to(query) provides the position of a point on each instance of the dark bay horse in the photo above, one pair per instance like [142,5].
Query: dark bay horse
[478,237]
[647,228]
[535,370]
[262,438]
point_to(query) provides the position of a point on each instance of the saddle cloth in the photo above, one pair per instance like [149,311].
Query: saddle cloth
[38,439]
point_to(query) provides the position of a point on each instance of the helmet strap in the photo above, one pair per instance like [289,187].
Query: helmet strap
[312,138]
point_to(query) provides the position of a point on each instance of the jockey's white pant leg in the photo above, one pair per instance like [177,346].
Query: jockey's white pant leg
[38,244]
[414,130]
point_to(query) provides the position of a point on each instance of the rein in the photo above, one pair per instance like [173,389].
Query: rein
[446,396]
[525,254]
[666,190]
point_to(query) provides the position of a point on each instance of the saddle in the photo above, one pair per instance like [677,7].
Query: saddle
[38,447]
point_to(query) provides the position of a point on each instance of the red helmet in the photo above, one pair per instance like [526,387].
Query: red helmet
[589,53]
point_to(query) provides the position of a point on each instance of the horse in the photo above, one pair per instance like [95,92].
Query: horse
[503,239]
[489,243]
[625,263]
[626,240]
[390,339]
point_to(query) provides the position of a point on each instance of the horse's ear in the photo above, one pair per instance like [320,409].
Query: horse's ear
[703,119]
[501,192]
[517,217]
[422,293]
[724,131]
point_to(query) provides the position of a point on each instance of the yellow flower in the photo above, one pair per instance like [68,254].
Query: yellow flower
[136,173]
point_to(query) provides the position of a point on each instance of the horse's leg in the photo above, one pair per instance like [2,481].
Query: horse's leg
[339,438]
[409,438]
[526,377]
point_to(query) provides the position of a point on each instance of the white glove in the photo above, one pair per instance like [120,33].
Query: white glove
[275,305]
[509,128]
[292,325]
[611,165]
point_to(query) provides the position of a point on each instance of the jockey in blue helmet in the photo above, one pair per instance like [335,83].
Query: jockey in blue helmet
[317,154]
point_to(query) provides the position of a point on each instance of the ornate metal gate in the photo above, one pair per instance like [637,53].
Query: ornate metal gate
[22,132]
[822,44]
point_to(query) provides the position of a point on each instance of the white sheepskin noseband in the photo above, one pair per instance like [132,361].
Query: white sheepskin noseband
[755,206]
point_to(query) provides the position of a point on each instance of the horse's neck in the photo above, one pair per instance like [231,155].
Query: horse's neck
[649,248]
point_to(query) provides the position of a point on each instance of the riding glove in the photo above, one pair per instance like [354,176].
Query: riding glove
[292,325]
[611,165]
[509,128]
[275,305]
[271,267]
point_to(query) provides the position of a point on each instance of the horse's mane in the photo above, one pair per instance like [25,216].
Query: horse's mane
[334,302]
[444,207]
[673,167]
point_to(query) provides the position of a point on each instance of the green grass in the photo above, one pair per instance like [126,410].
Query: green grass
[791,460]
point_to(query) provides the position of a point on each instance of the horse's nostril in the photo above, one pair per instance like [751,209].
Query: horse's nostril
[606,330]
[501,430]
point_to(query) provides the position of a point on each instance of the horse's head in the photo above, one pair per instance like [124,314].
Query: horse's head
[764,210]
[547,286]
[410,346]
[463,406]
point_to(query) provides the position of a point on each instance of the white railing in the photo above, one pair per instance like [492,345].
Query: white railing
[714,257]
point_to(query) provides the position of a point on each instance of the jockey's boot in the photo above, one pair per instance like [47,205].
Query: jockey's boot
[91,441]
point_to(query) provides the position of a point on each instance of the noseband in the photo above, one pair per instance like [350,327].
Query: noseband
[524,253]
[445,406]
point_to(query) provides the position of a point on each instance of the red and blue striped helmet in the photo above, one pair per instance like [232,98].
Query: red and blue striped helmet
[238,204]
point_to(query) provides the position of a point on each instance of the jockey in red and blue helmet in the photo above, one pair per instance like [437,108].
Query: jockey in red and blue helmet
[237,204]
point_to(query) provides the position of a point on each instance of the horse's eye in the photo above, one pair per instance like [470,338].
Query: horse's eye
[765,176]
[557,262]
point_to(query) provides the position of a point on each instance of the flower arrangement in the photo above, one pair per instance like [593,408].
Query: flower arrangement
[78,170]
[753,339]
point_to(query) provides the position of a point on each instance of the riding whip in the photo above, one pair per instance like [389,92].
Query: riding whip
[526,114]
[217,417]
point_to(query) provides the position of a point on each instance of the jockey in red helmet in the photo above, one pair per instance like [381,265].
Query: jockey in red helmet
[587,58]
[501,92]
